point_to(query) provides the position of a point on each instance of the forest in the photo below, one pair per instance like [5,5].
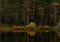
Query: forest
[22,12]
[15,15]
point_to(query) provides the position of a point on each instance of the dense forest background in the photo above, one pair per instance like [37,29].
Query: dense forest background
[22,12]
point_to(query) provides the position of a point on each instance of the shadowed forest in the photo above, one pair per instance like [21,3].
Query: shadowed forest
[29,20]
[22,12]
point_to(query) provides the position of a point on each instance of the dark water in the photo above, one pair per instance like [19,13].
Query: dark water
[25,37]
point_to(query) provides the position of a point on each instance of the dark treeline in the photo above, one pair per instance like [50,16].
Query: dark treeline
[21,12]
